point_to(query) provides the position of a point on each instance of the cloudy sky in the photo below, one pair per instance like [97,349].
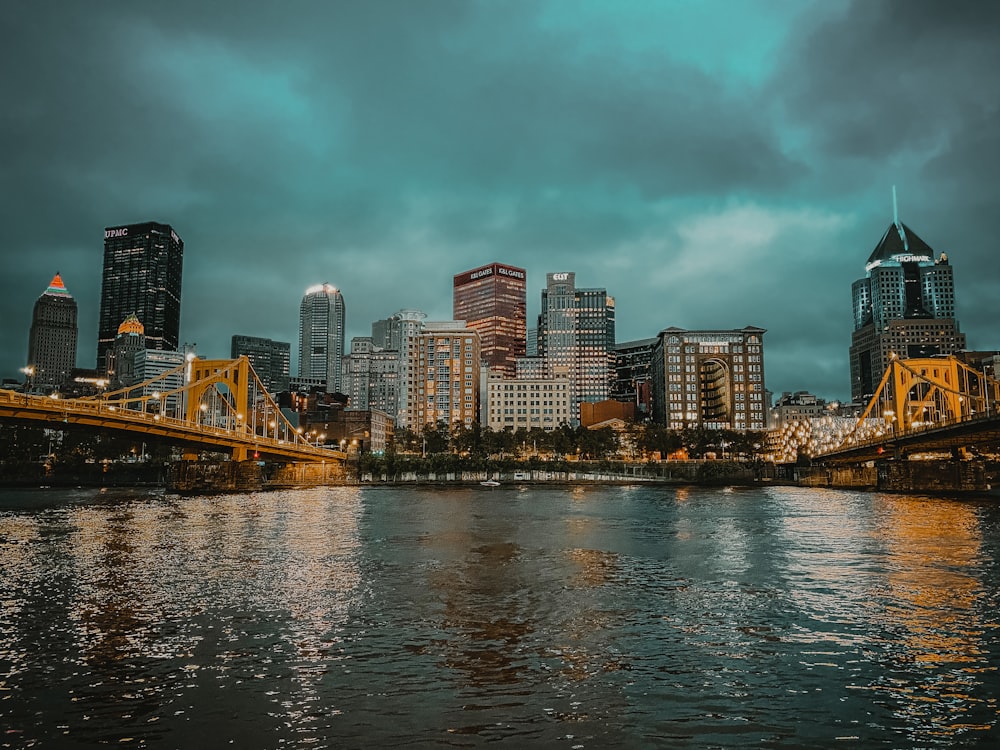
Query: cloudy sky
[712,163]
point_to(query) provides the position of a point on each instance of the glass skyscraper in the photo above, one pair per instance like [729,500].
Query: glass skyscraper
[576,331]
[321,336]
[269,359]
[903,307]
[142,276]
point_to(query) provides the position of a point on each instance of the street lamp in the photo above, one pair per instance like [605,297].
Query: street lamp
[29,373]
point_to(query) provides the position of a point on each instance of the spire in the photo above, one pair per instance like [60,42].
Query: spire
[57,287]
[895,220]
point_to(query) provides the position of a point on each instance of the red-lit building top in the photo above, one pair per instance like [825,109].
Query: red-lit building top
[492,300]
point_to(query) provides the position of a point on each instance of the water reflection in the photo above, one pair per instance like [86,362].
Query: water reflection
[891,591]
[165,601]
[583,617]
[934,608]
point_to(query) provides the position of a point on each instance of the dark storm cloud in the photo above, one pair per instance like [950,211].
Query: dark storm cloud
[385,146]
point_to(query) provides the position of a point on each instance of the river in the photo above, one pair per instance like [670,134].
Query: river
[535,616]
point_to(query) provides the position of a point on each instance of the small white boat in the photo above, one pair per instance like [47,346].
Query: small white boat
[490,483]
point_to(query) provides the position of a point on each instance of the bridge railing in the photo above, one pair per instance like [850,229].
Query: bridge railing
[114,412]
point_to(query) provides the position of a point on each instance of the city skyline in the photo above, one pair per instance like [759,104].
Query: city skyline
[708,173]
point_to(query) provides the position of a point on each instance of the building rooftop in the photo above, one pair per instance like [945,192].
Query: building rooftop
[899,239]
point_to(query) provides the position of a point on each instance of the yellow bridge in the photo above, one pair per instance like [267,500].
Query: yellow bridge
[221,406]
[922,406]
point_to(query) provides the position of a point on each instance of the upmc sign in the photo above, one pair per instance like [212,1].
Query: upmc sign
[118,232]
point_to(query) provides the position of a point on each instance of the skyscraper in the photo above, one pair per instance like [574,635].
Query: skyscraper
[492,300]
[321,335]
[52,340]
[576,330]
[903,307]
[371,377]
[142,276]
[269,359]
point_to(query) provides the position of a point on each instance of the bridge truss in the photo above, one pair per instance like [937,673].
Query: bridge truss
[937,403]
[213,405]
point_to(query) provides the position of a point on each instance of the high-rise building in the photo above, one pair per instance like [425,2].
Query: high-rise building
[903,307]
[393,334]
[142,275]
[492,300]
[371,377]
[709,379]
[165,391]
[444,374]
[269,359]
[321,335]
[52,339]
[576,330]
[120,364]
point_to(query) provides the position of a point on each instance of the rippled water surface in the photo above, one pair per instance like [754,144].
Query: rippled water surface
[567,617]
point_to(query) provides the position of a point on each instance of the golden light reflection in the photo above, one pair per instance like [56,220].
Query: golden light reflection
[935,550]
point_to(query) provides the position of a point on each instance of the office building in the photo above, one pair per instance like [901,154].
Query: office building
[321,335]
[52,338]
[269,359]
[709,379]
[120,362]
[371,377]
[142,276]
[576,330]
[443,374]
[150,364]
[631,383]
[492,300]
[538,400]
[903,307]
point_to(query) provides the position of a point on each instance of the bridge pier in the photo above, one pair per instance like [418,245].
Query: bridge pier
[891,475]
[940,476]
[206,477]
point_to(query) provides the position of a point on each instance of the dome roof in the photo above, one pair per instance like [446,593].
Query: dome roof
[131,324]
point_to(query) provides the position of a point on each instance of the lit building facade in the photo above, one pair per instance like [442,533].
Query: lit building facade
[576,330]
[149,364]
[142,276]
[120,364]
[270,359]
[532,399]
[903,307]
[798,406]
[322,320]
[492,300]
[52,339]
[443,372]
[709,379]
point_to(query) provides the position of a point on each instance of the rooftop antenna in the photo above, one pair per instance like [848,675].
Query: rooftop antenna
[895,220]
